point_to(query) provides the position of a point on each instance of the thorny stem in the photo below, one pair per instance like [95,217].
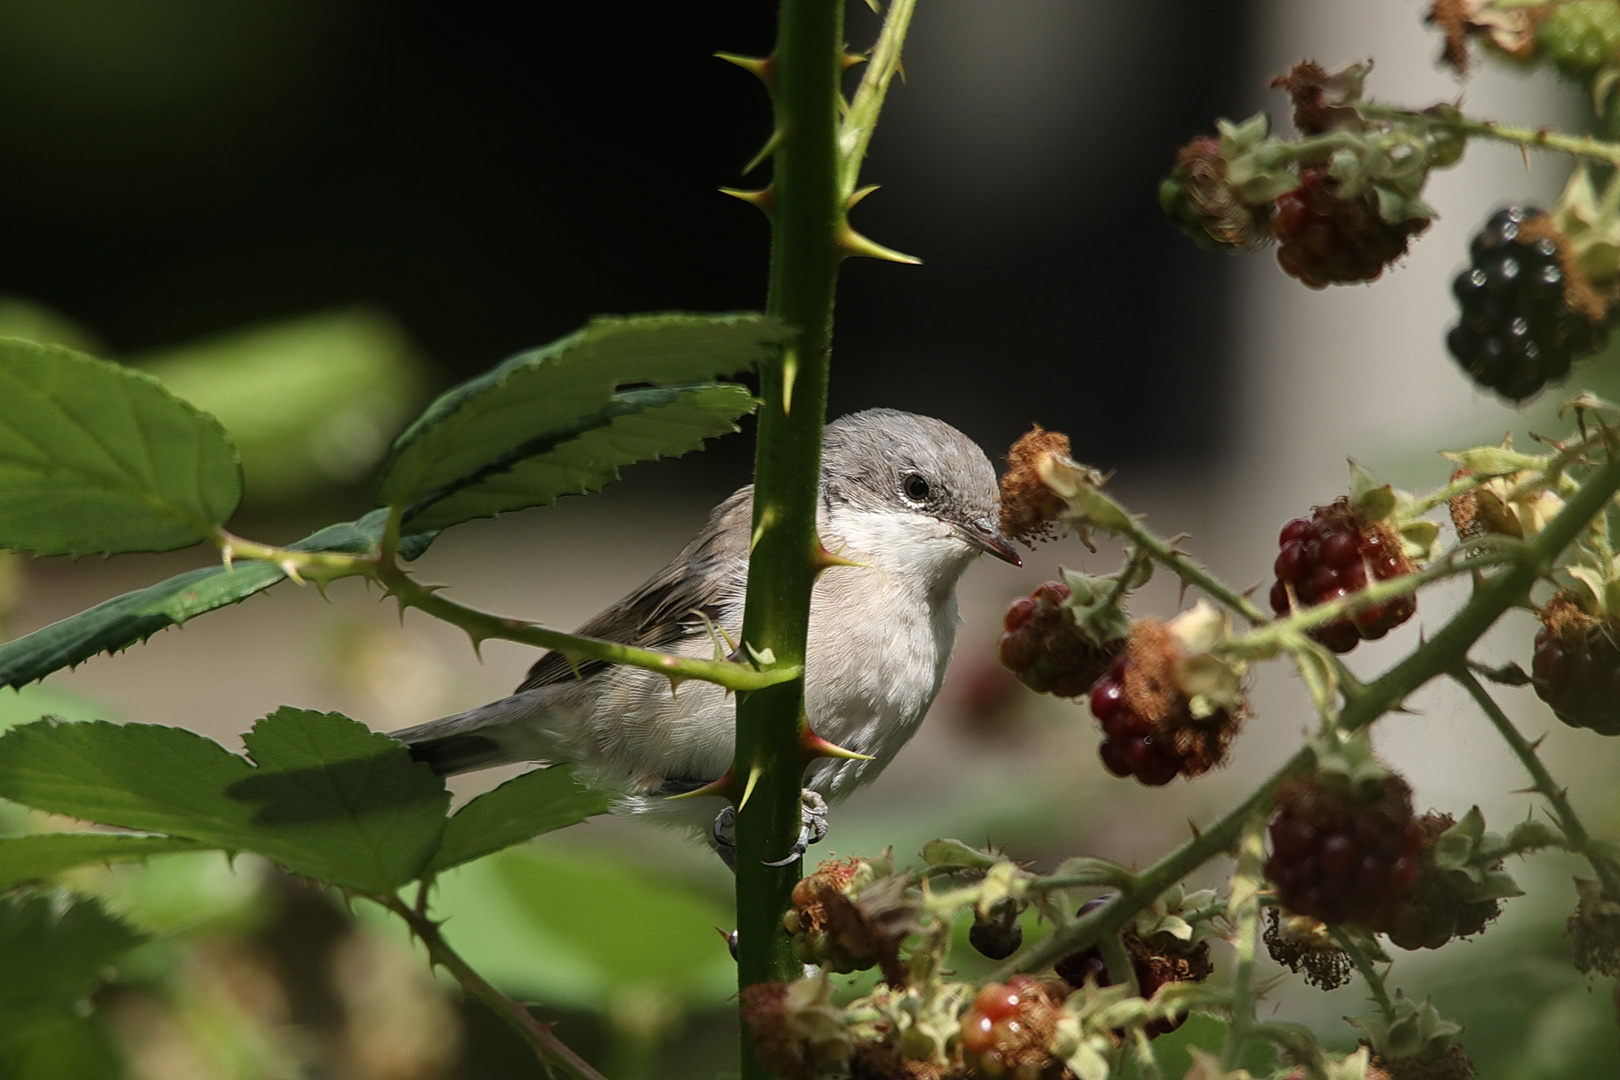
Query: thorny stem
[482,626]
[535,1033]
[1247,880]
[861,119]
[1179,564]
[1579,839]
[1369,973]
[1444,652]
[1581,146]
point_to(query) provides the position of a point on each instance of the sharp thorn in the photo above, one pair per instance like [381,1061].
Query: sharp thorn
[851,243]
[290,568]
[853,60]
[790,375]
[860,194]
[754,774]
[772,145]
[721,787]
[814,746]
[822,559]
[762,199]
[762,68]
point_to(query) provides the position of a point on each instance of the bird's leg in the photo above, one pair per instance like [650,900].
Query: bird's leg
[725,846]
[812,828]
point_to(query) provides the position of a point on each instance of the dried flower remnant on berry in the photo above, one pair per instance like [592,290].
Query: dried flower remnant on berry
[852,915]
[1030,508]
[1595,930]
[1509,28]
[1167,709]
[1323,101]
[1447,1063]
[1304,946]
[795,1028]
[1198,200]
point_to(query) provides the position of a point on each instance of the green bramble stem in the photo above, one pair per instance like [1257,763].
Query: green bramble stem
[1443,653]
[1575,833]
[1364,967]
[1247,883]
[538,1035]
[1580,146]
[807,214]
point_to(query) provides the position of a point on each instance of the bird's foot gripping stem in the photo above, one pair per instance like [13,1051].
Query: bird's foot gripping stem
[812,829]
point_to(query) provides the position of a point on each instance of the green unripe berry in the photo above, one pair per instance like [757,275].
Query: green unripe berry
[1582,36]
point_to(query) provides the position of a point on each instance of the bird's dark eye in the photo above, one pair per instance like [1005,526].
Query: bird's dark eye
[915,487]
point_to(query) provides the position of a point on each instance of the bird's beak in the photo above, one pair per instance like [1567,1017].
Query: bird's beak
[988,539]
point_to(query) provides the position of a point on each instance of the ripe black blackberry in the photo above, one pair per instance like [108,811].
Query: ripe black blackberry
[1046,650]
[1339,858]
[1331,554]
[1576,668]
[1523,319]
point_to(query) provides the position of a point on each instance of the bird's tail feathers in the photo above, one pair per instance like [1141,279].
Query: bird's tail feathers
[476,739]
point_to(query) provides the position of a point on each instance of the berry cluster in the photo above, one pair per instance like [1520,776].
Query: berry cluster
[1431,913]
[1326,238]
[1519,328]
[1576,669]
[1007,1032]
[1153,967]
[1044,648]
[1341,859]
[1148,726]
[1331,554]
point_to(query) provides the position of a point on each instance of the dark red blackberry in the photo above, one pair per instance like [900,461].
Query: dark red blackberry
[1431,912]
[1008,1030]
[1576,669]
[1044,648]
[1332,554]
[1341,859]
[1328,239]
[1153,966]
[1150,731]
[1523,319]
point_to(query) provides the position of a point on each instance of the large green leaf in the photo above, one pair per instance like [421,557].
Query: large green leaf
[135,616]
[99,458]
[53,956]
[41,855]
[329,799]
[636,425]
[539,801]
[539,398]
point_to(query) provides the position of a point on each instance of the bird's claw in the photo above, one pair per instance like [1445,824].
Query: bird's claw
[812,827]
[724,845]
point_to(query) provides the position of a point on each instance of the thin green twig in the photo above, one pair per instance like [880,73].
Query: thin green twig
[1247,880]
[1369,973]
[860,121]
[1581,146]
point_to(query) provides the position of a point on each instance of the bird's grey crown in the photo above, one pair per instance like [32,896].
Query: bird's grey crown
[867,456]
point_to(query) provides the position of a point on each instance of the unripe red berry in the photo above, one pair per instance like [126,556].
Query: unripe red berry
[1331,554]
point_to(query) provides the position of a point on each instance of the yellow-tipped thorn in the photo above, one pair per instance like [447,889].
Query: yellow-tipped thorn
[851,242]
[748,789]
[762,68]
[761,200]
[766,518]
[859,194]
[822,559]
[227,555]
[290,568]
[814,746]
[675,682]
[721,787]
[790,375]
[772,145]
[853,60]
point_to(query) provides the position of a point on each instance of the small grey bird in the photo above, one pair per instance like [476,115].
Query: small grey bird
[910,498]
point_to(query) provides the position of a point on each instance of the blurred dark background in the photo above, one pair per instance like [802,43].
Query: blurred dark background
[493,174]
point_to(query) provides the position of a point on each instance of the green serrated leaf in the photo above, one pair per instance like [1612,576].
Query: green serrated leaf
[536,398]
[539,801]
[586,454]
[330,799]
[135,616]
[96,458]
[956,853]
[42,855]
[54,956]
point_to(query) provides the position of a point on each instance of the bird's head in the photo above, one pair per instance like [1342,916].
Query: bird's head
[910,494]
